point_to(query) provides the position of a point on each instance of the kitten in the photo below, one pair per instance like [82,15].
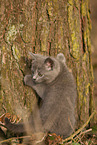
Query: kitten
[56,87]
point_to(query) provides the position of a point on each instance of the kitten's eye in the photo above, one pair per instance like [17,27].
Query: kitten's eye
[32,72]
[40,74]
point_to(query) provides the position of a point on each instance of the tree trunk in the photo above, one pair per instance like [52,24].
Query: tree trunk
[46,27]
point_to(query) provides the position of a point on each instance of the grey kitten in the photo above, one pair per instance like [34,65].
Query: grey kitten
[56,87]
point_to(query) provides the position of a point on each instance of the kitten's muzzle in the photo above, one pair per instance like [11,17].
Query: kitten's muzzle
[34,78]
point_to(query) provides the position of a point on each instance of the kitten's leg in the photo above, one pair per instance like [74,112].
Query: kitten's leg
[39,88]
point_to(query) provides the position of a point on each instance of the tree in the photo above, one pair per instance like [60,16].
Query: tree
[46,27]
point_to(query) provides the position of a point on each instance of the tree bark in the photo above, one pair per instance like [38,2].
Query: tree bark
[45,27]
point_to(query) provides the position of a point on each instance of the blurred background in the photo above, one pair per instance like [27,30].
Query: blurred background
[93,7]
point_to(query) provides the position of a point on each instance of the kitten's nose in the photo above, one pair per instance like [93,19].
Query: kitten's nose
[34,78]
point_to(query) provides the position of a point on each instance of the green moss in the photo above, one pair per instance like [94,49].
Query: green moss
[73,20]
[83,8]
[11,34]
[50,9]
[16,52]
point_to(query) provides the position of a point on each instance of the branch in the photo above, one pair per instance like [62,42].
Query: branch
[1,124]
[34,138]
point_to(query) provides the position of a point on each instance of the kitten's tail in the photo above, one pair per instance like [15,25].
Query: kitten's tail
[13,127]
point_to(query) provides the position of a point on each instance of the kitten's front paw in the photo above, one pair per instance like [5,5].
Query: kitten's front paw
[28,80]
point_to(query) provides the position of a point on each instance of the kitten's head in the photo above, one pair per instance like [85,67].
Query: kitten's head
[44,69]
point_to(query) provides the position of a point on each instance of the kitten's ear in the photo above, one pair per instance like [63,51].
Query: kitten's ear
[49,63]
[32,55]
[61,58]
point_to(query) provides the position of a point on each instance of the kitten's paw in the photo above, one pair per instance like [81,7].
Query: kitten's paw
[26,79]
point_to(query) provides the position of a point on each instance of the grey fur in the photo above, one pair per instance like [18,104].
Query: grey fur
[56,87]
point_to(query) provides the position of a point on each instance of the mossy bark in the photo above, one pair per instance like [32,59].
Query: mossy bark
[46,27]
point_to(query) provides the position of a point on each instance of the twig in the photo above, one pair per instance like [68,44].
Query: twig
[41,139]
[22,137]
[84,132]
[1,124]
[13,138]
[81,135]
[79,130]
